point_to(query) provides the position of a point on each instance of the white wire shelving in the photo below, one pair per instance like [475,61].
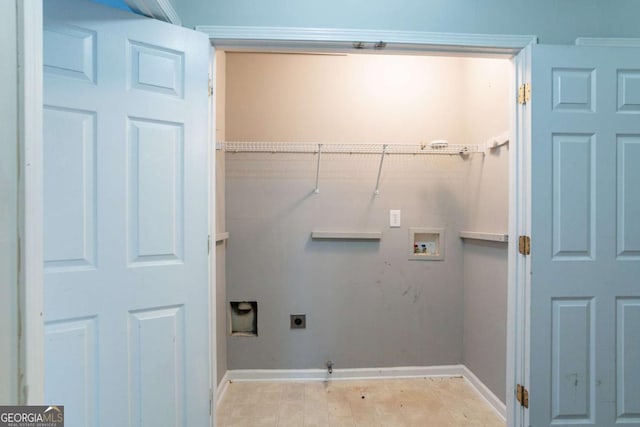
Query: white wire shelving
[344,148]
[347,148]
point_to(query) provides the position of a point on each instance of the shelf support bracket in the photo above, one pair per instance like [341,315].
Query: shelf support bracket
[384,151]
[317,190]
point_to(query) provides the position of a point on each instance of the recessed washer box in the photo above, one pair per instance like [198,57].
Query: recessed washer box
[426,244]
[243,318]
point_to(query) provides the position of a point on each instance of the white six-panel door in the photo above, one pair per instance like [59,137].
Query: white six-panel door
[125,207]
[585,237]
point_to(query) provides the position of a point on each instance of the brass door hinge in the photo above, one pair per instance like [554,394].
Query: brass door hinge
[524,93]
[524,245]
[522,395]
[210,88]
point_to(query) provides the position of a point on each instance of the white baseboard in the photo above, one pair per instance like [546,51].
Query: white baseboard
[344,374]
[240,375]
[485,393]
[222,388]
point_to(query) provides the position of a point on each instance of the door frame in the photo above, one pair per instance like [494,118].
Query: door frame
[211,191]
[518,334]
[30,200]
[517,48]
[332,40]
[31,290]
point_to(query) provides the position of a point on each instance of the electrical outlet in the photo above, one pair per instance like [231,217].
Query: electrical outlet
[298,321]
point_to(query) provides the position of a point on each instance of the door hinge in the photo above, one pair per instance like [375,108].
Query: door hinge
[524,93]
[210,402]
[210,88]
[524,245]
[208,244]
[522,395]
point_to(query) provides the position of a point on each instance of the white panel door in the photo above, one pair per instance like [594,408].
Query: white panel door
[125,206]
[585,237]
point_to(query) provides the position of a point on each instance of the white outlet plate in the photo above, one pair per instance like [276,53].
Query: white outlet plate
[394,218]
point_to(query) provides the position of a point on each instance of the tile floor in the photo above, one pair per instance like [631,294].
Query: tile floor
[428,402]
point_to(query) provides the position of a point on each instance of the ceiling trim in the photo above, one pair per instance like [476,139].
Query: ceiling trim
[608,41]
[331,39]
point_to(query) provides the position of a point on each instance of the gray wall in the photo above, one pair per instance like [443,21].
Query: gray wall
[485,313]
[485,272]
[221,275]
[367,304]
[554,21]
[221,311]
[220,221]
[487,209]
[8,205]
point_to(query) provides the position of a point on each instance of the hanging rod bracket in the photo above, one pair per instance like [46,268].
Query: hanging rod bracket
[317,190]
[384,151]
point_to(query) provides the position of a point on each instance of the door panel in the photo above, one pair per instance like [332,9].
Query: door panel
[584,236]
[628,232]
[629,91]
[156,187]
[126,208]
[572,351]
[70,185]
[158,335]
[77,340]
[628,359]
[70,51]
[573,196]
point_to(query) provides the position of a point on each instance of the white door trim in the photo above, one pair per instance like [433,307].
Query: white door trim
[333,39]
[213,350]
[31,290]
[519,224]
[162,10]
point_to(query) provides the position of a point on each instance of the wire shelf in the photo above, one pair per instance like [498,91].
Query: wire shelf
[335,148]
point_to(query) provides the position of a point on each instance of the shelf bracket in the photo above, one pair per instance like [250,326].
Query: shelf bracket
[384,151]
[317,190]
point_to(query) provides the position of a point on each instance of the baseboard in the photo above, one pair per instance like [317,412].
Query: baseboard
[363,374]
[344,374]
[222,388]
[485,393]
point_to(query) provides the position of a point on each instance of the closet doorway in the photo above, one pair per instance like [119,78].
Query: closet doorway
[336,175]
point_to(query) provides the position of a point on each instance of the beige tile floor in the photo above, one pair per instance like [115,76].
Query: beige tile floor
[429,402]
